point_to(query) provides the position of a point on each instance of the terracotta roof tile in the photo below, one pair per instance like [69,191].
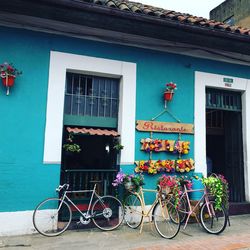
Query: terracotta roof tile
[244,30]
[192,19]
[182,18]
[166,12]
[134,8]
[111,4]
[92,131]
[148,10]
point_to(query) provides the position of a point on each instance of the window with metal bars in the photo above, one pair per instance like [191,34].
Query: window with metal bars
[92,96]
[214,119]
[223,99]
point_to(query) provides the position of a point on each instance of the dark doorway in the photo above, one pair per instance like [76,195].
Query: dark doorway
[96,163]
[224,139]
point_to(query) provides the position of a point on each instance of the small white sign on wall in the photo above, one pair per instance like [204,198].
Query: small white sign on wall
[228,82]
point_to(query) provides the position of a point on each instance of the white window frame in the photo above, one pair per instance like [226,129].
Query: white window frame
[203,80]
[60,63]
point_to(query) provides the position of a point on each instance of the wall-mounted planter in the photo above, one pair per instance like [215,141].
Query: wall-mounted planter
[168,95]
[158,145]
[8,81]
[153,167]
[8,74]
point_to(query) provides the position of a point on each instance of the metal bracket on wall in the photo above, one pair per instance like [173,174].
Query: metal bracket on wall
[166,110]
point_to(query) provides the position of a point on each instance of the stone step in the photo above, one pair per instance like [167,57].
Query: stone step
[237,208]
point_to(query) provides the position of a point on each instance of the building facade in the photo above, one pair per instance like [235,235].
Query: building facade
[232,12]
[69,64]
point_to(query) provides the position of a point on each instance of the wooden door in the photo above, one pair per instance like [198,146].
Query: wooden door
[234,164]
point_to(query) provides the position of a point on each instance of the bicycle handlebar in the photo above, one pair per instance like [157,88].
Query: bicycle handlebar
[60,187]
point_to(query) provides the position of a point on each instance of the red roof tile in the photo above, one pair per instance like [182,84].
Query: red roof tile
[155,12]
[92,131]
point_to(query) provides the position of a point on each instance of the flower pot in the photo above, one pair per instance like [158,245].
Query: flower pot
[8,81]
[129,186]
[166,190]
[168,95]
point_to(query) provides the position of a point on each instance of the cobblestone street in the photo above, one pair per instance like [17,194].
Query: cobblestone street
[237,236]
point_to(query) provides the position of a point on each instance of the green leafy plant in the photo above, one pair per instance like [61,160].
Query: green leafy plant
[218,186]
[134,181]
[72,147]
[118,147]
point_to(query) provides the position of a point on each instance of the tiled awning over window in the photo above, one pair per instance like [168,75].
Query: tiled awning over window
[92,131]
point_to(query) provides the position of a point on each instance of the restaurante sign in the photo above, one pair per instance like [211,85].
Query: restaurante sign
[165,127]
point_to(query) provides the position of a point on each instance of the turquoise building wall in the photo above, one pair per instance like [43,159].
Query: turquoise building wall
[24,179]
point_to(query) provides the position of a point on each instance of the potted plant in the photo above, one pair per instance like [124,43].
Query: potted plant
[131,182]
[72,147]
[170,184]
[8,73]
[218,187]
[169,92]
[117,145]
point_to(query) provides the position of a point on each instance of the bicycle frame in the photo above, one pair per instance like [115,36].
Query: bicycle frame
[145,213]
[86,215]
[192,211]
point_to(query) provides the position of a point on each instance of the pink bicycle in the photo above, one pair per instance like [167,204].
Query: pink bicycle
[212,219]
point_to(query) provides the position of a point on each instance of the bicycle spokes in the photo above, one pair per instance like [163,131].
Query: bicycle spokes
[108,213]
[212,219]
[166,219]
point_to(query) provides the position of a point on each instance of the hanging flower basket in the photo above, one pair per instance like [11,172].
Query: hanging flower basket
[169,92]
[8,80]
[168,95]
[129,186]
[130,182]
[8,73]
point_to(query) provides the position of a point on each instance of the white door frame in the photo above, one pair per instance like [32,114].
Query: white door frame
[203,80]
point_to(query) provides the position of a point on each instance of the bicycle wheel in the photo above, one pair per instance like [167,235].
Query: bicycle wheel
[133,211]
[108,213]
[52,217]
[183,209]
[216,223]
[166,219]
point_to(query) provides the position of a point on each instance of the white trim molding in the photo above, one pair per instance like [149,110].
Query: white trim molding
[203,80]
[60,63]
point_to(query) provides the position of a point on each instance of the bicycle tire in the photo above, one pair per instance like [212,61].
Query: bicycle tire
[183,209]
[133,211]
[50,221]
[166,219]
[215,224]
[107,212]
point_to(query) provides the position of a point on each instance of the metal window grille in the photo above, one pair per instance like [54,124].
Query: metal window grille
[224,100]
[215,119]
[91,96]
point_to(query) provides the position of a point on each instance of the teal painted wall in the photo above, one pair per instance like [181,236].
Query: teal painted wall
[24,179]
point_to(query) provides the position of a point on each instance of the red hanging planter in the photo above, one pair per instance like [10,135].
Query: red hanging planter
[8,81]
[8,73]
[168,95]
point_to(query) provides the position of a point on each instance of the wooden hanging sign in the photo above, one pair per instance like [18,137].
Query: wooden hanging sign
[165,127]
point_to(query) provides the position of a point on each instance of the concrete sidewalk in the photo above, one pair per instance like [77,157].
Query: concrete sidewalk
[237,236]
